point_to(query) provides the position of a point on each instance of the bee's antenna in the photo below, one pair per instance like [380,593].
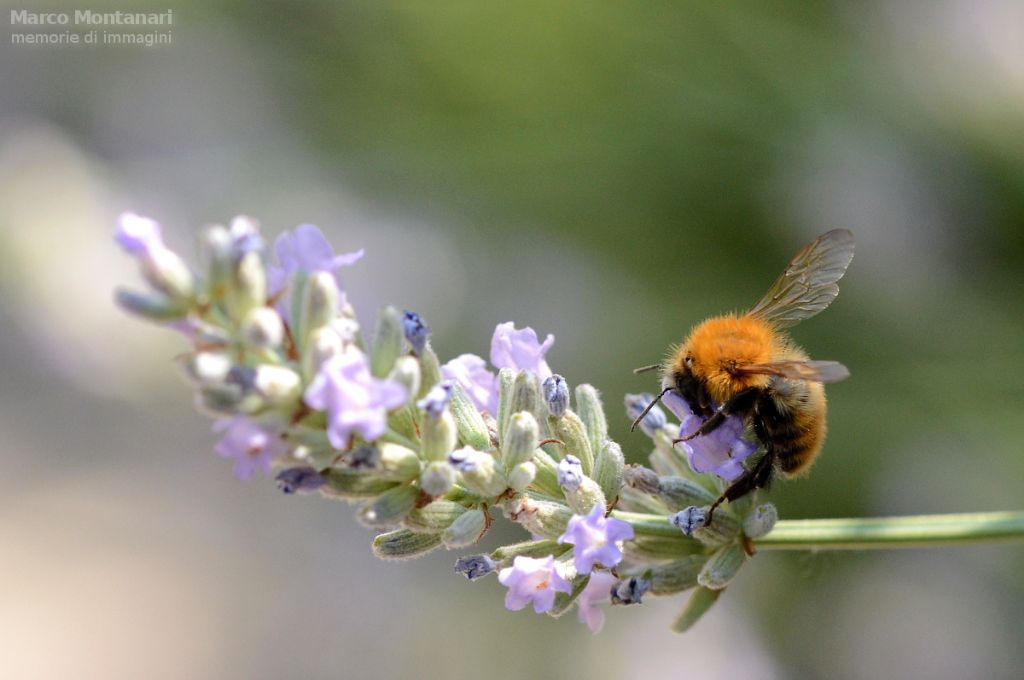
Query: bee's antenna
[645,369]
[648,408]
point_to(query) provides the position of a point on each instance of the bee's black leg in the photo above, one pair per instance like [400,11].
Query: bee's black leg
[740,402]
[756,477]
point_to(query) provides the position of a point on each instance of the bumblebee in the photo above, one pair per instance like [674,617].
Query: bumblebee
[745,364]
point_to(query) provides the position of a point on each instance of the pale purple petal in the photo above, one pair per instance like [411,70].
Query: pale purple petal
[535,580]
[520,350]
[356,402]
[594,538]
[306,249]
[138,235]
[470,372]
[597,592]
[675,403]
[721,451]
[252,446]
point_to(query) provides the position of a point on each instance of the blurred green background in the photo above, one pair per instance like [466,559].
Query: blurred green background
[607,172]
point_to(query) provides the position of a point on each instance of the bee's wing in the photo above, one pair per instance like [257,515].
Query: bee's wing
[808,285]
[812,371]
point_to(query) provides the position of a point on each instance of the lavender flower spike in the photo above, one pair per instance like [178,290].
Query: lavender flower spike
[355,401]
[253,446]
[305,249]
[533,580]
[594,539]
[520,350]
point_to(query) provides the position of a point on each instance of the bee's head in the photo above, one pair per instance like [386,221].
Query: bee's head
[689,385]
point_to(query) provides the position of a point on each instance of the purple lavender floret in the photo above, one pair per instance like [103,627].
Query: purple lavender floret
[251,445]
[535,580]
[721,451]
[306,249]
[597,591]
[595,539]
[470,372]
[355,401]
[520,350]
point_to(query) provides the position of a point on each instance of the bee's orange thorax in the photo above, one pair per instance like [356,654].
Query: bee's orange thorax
[720,344]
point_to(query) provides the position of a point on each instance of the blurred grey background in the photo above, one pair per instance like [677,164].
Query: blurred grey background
[609,173]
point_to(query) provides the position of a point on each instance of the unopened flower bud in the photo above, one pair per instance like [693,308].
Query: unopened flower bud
[679,492]
[591,412]
[438,436]
[693,521]
[299,479]
[430,370]
[245,236]
[466,530]
[387,342]
[407,374]
[248,288]
[653,421]
[630,590]
[581,492]
[215,249]
[403,544]
[168,274]
[470,424]
[546,519]
[689,519]
[546,480]
[220,400]
[416,332]
[522,475]
[609,468]
[570,430]
[390,507]
[151,306]
[570,473]
[479,472]
[323,344]
[525,395]
[556,395]
[277,384]
[394,461]
[262,328]
[319,303]
[435,516]
[506,384]
[207,368]
[437,478]
[475,566]
[722,567]
[436,401]
[521,439]
[760,521]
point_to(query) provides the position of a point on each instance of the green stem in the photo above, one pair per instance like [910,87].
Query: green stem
[868,533]
[895,532]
